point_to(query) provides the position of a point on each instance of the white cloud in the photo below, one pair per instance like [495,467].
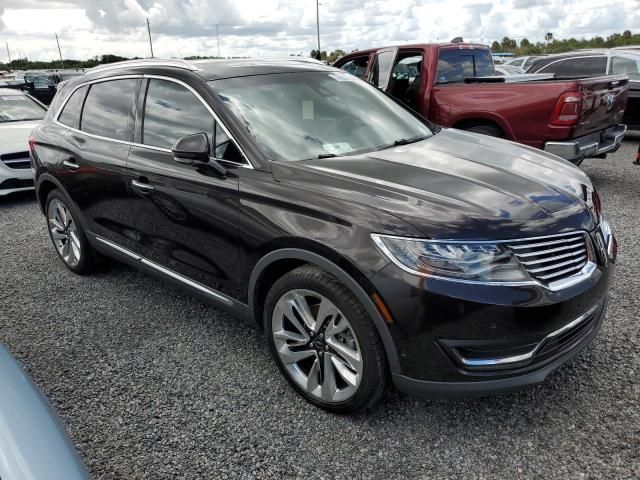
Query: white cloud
[276,27]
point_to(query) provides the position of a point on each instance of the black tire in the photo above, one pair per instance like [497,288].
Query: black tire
[88,256]
[375,378]
[489,130]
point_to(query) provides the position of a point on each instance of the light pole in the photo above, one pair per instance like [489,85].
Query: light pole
[59,52]
[149,31]
[318,28]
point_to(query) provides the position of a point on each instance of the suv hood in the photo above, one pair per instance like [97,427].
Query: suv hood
[457,185]
[14,136]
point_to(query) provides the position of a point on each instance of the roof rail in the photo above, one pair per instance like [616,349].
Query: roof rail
[148,62]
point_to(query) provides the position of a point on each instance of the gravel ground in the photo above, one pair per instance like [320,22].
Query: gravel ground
[151,383]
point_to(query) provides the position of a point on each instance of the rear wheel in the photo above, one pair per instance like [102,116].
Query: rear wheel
[67,234]
[324,342]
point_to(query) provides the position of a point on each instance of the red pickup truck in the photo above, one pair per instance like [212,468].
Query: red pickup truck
[454,85]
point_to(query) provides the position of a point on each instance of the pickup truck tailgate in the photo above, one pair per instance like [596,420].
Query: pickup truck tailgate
[603,102]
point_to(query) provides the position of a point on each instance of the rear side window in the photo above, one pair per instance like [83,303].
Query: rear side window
[171,111]
[108,109]
[456,65]
[626,66]
[578,67]
[70,115]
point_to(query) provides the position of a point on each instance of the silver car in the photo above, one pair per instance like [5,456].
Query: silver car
[33,445]
[19,114]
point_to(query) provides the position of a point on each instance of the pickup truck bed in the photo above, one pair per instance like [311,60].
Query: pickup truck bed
[453,85]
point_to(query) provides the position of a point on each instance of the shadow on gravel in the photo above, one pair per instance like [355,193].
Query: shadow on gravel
[19,198]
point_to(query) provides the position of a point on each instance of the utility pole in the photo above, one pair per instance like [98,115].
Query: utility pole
[318,27]
[149,31]
[8,54]
[218,38]
[59,51]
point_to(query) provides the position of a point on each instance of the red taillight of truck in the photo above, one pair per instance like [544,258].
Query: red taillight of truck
[567,110]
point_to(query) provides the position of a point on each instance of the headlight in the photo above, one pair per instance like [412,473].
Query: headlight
[472,261]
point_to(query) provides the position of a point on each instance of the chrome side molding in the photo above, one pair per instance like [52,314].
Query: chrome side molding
[218,296]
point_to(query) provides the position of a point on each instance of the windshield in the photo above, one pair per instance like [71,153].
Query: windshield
[299,116]
[16,108]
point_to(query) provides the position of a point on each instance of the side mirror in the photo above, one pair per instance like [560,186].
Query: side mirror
[196,149]
[192,148]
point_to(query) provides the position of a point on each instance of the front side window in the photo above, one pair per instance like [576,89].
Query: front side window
[356,66]
[298,116]
[626,66]
[19,108]
[108,109]
[70,115]
[456,65]
[171,112]
[381,69]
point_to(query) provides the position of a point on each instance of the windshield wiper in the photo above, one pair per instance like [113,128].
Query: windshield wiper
[327,155]
[404,141]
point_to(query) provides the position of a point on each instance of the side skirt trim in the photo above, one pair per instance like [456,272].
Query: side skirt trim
[217,296]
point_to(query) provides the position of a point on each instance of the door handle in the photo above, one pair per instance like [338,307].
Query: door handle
[71,164]
[144,187]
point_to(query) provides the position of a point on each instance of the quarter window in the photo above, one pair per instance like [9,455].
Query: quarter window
[70,115]
[107,109]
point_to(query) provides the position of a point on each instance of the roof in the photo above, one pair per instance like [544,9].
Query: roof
[212,69]
[442,45]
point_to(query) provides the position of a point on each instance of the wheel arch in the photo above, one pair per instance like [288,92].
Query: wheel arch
[491,120]
[278,262]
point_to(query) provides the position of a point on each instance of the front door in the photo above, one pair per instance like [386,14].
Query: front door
[186,215]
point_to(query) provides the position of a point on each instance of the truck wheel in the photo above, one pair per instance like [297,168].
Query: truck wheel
[489,130]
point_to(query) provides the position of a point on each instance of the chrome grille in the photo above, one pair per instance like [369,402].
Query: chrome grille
[18,160]
[554,258]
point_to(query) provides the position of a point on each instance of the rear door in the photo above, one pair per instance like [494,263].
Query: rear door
[93,155]
[186,215]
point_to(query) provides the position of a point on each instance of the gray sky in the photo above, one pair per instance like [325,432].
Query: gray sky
[278,27]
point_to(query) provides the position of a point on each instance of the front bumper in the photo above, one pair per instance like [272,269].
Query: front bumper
[15,179]
[457,340]
[495,386]
[592,145]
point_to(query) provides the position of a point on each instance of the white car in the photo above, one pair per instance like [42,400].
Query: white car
[19,114]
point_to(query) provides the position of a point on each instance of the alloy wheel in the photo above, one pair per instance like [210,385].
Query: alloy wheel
[317,345]
[64,232]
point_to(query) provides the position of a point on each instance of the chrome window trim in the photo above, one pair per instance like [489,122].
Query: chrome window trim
[167,271]
[56,117]
[558,285]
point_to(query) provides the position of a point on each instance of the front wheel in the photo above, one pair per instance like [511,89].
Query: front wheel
[324,342]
